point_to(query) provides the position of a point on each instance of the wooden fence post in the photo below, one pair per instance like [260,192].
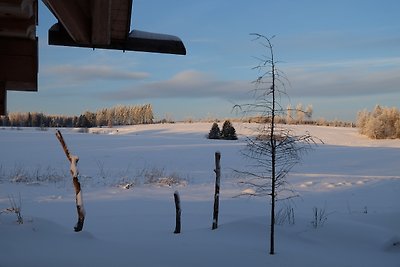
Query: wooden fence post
[217,186]
[178,213]
[74,173]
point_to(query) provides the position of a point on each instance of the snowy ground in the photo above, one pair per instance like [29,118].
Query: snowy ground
[354,180]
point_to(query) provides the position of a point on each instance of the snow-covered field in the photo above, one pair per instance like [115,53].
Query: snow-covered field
[353,181]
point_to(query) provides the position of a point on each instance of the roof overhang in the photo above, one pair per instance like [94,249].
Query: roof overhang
[105,24]
[136,41]
[101,24]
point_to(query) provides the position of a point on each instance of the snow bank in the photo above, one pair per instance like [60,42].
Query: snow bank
[353,179]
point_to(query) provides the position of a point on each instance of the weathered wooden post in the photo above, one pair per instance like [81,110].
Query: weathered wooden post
[74,172]
[217,186]
[178,213]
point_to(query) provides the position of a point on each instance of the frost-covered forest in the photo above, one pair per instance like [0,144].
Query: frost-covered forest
[380,123]
[118,115]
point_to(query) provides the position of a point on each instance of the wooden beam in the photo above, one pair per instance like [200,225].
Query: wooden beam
[3,99]
[18,8]
[73,18]
[14,27]
[121,11]
[101,22]
[19,63]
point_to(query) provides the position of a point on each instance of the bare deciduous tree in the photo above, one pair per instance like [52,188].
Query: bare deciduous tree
[274,150]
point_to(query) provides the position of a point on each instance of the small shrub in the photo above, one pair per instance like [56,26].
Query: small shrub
[171,180]
[160,178]
[19,174]
[319,217]
[15,208]
[151,176]
[285,214]
[215,132]
[228,131]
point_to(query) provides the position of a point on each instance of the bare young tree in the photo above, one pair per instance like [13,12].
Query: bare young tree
[300,113]
[309,112]
[274,150]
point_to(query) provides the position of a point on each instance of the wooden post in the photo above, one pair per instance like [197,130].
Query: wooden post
[3,98]
[178,213]
[74,173]
[217,186]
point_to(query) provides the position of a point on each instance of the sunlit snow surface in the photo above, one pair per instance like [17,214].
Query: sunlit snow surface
[356,181]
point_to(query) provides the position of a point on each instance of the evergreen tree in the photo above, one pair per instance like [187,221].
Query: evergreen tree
[215,132]
[83,122]
[29,120]
[228,131]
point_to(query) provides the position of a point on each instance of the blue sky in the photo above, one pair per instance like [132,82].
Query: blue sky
[340,57]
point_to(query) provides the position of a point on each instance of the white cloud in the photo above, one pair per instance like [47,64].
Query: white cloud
[188,84]
[345,78]
[93,72]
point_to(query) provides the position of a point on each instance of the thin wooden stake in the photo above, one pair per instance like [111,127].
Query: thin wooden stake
[74,173]
[217,186]
[178,213]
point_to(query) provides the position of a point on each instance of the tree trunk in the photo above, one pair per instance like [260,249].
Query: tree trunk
[178,213]
[273,159]
[217,186]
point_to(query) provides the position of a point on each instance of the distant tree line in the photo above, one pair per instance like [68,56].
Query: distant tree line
[119,115]
[316,122]
[299,115]
[381,123]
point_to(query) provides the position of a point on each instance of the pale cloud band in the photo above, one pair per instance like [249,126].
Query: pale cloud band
[186,84]
[332,79]
[315,79]
[346,78]
[93,72]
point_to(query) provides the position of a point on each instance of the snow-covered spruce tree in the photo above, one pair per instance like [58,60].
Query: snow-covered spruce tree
[228,131]
[215,132]
[274,150]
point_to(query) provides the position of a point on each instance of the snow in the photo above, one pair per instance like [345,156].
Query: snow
[354,180]
[153,36]
[74,166]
